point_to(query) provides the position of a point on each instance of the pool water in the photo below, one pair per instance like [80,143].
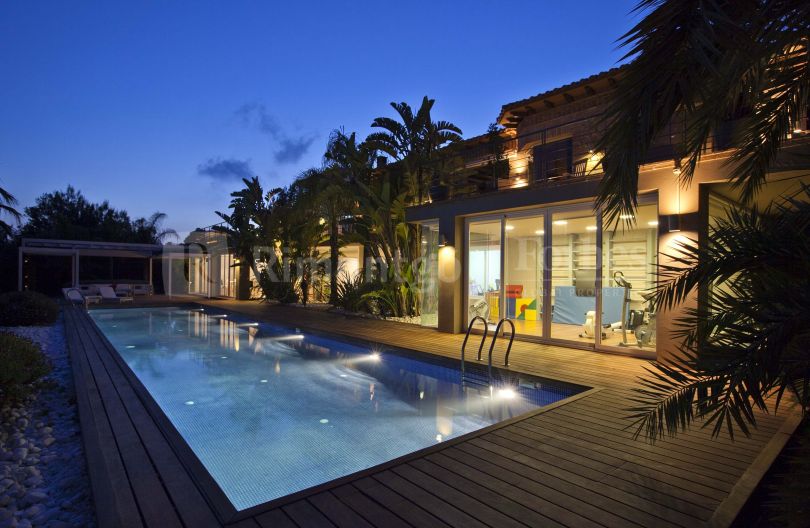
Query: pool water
[270,411]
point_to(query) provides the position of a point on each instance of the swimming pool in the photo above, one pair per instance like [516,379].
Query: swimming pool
[269,410]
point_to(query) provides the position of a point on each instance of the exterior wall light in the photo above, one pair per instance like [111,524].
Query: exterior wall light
[443,241]
[673,223]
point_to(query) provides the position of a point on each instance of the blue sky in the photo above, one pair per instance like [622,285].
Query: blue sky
[160,106]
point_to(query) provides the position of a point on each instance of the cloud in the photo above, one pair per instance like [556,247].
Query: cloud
[226,169]
[293,150]
[290,149]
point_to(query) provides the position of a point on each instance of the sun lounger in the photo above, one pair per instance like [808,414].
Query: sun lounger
[108,295]
[75,296]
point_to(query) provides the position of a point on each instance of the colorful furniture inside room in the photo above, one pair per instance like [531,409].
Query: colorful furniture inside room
[492,301]
[512,293]
[526,309]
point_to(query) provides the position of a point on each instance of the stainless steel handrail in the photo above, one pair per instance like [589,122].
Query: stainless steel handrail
[466,337]
[492,346]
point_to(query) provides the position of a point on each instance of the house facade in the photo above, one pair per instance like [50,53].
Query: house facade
[515,234]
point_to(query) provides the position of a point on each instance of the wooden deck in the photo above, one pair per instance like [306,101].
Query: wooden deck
[573,465]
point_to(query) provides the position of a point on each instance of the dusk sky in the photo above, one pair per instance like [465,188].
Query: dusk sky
[165,106]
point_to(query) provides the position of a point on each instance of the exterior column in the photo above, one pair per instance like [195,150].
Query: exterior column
[169,273]
[151,286]
[20,262]
[451,257]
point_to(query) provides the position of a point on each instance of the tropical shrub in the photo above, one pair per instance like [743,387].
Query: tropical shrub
[23,364]
[274,287]
[352,291]
[27,309]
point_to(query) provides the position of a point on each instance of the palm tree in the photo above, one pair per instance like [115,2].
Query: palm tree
[347,165]
[153,226]
[414,139]
[706,63]
[751,339]
[7,203]
[243,233]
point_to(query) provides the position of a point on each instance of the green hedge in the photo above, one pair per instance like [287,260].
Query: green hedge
[22,364]
[27,309]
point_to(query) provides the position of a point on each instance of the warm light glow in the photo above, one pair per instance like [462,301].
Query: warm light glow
[509,227]
[539,232]
[626,217]
[652,223]
[374,356]
[560,222]
[506,394]
[590,228]
[797,130]
[438,438]
[521,182]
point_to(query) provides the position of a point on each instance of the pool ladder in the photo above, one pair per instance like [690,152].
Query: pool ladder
[483,342]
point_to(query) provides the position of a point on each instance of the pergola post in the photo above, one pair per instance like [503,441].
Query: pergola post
[20,262]
[151,286]
[76,269]
[170,276]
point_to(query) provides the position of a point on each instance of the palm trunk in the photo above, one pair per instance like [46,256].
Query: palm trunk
[333,260]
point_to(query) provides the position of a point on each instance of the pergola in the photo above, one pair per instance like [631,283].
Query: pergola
[75,249]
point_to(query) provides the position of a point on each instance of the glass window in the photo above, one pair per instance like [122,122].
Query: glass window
[629,259]
[484,270]
[523,273]
[429,275]
[573,276]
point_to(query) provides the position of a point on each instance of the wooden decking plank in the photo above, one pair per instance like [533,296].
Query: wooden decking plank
[448,513]
[337,512]
[489,511]
[305,515]
[579,453]
[715,461]
[153,501]
[366,501]
[521,501]
[274,519]
[596,412]
[636,454]
[647,499]
[115,502]
[244,523]
[405,509]
[184,494]
[624,505]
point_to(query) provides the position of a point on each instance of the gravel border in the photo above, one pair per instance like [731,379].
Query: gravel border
[43,472]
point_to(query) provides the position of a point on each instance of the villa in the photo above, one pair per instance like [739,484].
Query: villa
[514,233]
[201,408]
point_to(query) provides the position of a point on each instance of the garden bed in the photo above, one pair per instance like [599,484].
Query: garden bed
[43,474]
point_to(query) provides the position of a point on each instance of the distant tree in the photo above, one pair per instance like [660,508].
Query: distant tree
[68,215]
[7,203]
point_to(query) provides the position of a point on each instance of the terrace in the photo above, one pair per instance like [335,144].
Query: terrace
[571,463]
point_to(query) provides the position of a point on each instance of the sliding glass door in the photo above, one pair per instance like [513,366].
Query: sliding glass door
[484,270]
[524,273]
[573,275]
[557,273]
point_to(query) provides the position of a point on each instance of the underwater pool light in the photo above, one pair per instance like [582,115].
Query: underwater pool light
[506,394]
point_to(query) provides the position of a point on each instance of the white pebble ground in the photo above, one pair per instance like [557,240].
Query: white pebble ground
[43,473]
